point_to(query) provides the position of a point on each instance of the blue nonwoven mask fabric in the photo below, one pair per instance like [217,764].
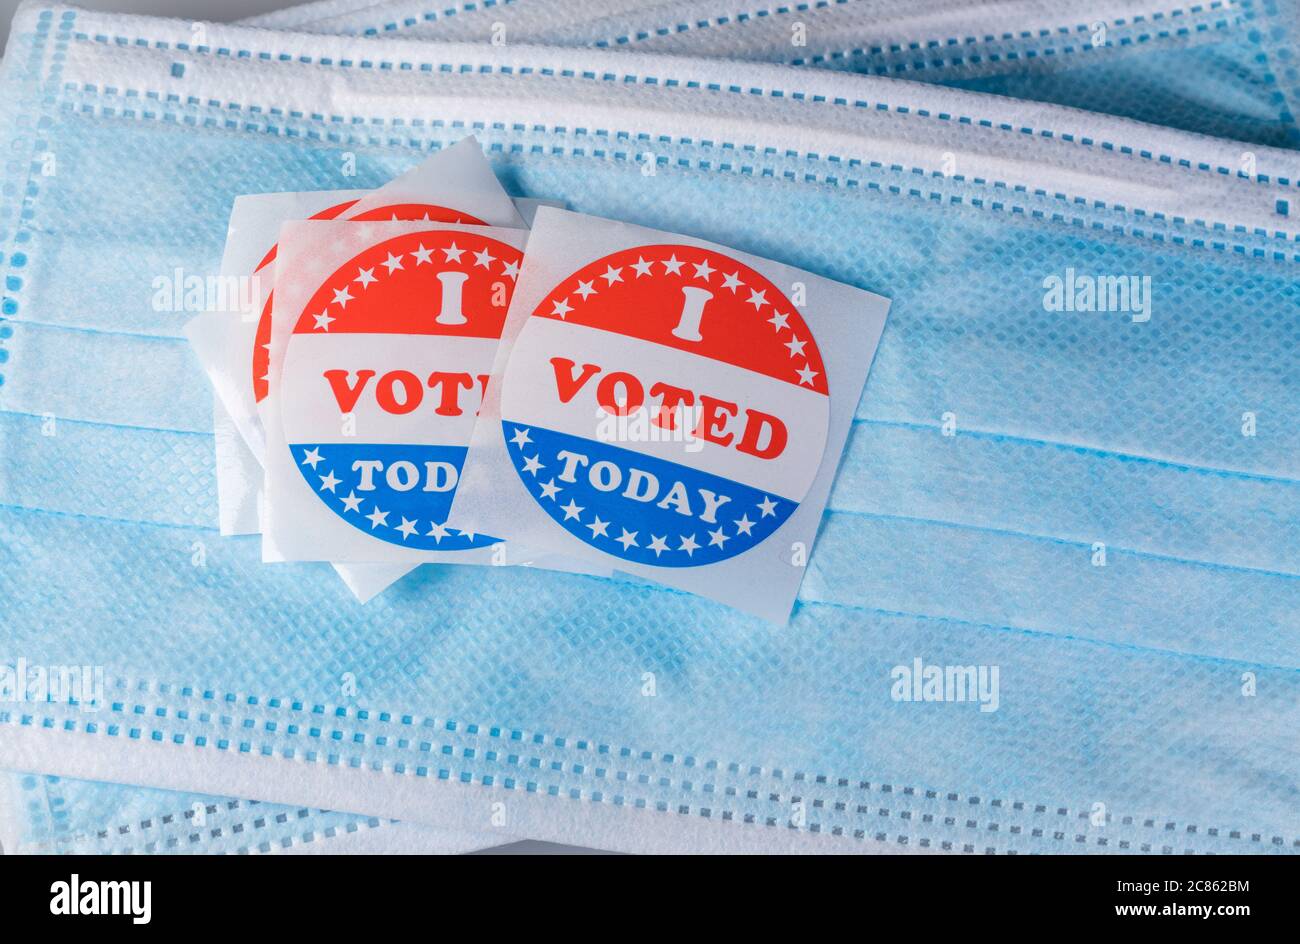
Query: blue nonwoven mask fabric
[1081,514]
[1118,57]
[1105,57]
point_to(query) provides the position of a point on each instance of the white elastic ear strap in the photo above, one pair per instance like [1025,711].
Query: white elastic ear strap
[1087,158]
[948,32]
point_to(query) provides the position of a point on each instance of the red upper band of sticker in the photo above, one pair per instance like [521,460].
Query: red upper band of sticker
[438,267]
[640,293]
[417,212]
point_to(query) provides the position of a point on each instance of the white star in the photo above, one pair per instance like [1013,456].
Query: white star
[520,438]
[328,481]
[598,527]
[351,503]
[672,264]
[703,270]
[572,511]
[510,270]
[717,538]
[407,527]
[562,308]
[323,321]
[377,518]
[642,267]
[423,255]
[468,535]
[627,539]
[452,253]
[484,259]
[311,457]
[392,262]
[795,346]
[767,506]
[531,465]
[613,275]
[657,545]
[689,545]
[778,321]
[744,525]
[806,375]
[341,297]
[584,289]
[757,299]
[437,532]
[732,282]
[550,490]
[365,277]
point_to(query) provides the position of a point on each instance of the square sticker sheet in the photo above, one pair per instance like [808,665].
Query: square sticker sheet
[670,408]
[223,340]
[238,348]
[390,332]
[233,343]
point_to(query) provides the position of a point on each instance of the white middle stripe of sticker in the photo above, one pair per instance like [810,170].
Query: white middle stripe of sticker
[316,417]
[530,397]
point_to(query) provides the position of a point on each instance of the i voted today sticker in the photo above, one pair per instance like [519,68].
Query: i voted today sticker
[669,407]
[666,404]
[383,375]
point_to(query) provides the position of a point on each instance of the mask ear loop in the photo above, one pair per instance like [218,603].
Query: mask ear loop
[1015,123]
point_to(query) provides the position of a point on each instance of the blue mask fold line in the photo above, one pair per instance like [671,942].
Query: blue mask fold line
[865,486]
[958,600]
[991,435]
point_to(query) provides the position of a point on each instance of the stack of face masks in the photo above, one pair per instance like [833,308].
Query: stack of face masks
[1116,57]
[1051,605]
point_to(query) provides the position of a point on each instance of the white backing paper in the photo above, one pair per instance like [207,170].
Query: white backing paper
[723,497]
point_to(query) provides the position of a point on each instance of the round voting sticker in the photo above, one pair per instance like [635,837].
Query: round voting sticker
[666,405]
[419,212]
[383,376]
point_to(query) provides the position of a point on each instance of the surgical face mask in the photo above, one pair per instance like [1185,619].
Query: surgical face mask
[1052,604]
[1118,57]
